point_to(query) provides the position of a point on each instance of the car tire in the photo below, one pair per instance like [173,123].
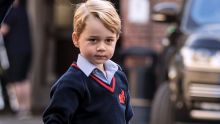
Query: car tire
[162,111]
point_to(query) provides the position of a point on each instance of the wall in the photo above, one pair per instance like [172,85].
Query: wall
[147,34]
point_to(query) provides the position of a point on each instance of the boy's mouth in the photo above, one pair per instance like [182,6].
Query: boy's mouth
[100,56]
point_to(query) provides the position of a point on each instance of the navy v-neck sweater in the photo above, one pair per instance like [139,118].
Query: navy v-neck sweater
[78,99]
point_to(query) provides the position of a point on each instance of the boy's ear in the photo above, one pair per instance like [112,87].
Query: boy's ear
[75,39]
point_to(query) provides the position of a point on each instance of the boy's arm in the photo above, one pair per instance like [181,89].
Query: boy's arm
[128,111]
[63,104]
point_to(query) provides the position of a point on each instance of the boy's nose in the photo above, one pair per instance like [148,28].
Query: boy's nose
[101,46]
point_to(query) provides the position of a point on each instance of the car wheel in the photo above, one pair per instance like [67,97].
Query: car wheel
[162,111]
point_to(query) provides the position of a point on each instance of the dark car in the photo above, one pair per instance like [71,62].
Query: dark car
[190,75]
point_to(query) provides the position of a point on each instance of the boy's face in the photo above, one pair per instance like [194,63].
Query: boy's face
[96,43]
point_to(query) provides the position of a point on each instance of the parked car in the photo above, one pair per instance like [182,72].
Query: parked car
[190,76]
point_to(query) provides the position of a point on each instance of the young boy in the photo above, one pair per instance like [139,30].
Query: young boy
[93,90]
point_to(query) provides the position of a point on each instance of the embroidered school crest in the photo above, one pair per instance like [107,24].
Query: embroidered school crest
[121,97]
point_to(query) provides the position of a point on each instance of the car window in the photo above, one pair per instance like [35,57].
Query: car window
[206,11]
[199,14]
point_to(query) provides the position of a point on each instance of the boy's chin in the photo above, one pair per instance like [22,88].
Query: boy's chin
[99,63]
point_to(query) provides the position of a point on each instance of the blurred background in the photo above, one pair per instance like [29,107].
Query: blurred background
[140,51]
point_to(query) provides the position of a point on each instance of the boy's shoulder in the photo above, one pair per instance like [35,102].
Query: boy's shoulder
[72,78]
[121,71]
[121,74]
[71,74]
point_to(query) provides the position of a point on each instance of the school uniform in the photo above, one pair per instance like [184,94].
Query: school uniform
[85,96]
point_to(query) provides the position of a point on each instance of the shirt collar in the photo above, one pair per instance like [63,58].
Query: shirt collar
[111,66]
[88,67]
[85,65]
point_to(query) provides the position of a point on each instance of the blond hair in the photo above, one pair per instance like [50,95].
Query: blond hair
[101,9]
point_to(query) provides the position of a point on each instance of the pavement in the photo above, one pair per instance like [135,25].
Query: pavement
[10,119]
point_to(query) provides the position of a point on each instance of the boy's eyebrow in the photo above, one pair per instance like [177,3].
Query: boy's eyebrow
[94,36]
[110,37]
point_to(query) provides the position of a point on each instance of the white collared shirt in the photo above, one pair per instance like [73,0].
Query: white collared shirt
[89,68]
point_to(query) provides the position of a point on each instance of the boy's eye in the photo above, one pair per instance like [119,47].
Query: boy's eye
[93,40]
[109,40]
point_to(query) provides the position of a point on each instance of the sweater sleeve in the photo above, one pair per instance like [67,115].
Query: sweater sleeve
[64,101]
[128,111]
